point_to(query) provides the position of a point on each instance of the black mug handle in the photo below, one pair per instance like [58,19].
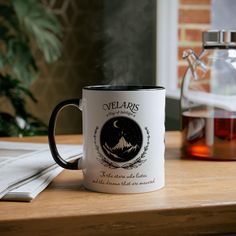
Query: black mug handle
[51,134]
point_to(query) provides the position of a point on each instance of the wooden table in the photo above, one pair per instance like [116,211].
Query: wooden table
[199,198]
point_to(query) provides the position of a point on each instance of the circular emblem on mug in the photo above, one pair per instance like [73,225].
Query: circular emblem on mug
[121,139]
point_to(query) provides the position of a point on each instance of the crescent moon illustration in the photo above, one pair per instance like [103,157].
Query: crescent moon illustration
[115,124]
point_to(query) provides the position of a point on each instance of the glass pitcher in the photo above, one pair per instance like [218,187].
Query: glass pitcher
[208,98]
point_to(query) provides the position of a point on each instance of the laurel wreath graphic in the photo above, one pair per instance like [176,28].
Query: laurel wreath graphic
[113,165]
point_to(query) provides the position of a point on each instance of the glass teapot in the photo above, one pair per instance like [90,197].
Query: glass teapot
[208,98]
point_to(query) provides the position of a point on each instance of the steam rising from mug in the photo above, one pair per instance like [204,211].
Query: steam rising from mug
[128,54]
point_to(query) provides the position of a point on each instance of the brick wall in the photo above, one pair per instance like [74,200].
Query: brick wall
[194,17]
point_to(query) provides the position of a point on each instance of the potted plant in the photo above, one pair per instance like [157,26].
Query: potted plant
[26,26]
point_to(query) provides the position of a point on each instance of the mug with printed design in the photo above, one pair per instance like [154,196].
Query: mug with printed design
[123,131]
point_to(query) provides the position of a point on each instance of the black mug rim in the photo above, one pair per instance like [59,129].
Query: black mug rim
[123,87]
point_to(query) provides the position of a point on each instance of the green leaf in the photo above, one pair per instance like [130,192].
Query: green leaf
[41,26]
[3,32]
[13,88]
[24,24]
[27,92]
[21,61]
[8,125]
[8,15]
[2,60]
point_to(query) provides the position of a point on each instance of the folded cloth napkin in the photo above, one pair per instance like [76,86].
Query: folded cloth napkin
[26,168]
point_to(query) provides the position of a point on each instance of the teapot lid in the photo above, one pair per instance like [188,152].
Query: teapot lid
[219,39]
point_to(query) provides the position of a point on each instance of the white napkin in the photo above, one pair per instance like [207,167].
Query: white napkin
[26,168]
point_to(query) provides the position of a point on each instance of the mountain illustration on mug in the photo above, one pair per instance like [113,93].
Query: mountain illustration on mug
[121,139]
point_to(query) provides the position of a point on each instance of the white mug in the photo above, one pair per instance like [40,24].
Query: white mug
[123,129]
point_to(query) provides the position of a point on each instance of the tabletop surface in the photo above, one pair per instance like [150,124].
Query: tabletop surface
[199,197]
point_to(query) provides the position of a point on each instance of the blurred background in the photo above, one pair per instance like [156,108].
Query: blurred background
[94,42]
[104,42]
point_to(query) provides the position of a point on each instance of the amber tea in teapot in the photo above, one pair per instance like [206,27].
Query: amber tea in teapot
[219,144]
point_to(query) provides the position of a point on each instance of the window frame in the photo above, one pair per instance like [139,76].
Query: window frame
[167,47]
